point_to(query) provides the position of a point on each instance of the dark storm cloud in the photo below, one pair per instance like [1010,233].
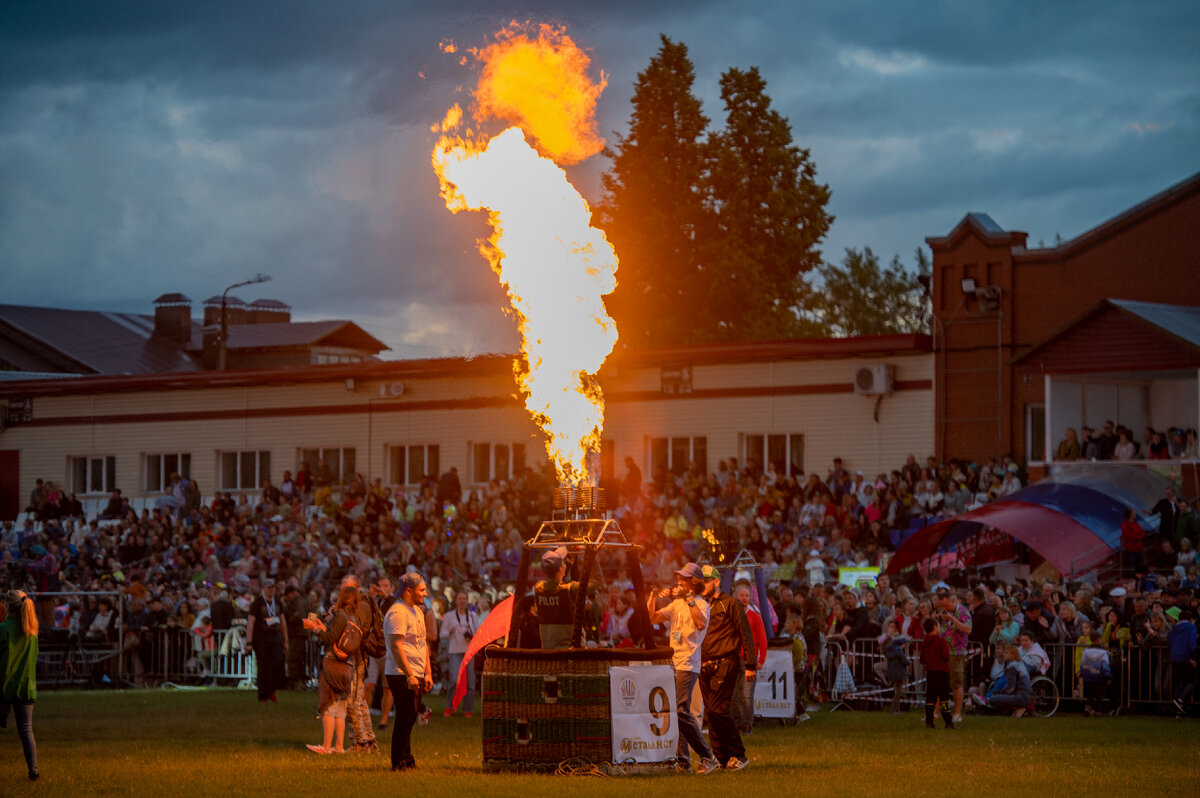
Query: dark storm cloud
[148,147]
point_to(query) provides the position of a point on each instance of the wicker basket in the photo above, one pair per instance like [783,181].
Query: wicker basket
[543,707]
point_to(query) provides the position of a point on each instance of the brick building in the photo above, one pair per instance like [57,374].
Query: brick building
[995,300]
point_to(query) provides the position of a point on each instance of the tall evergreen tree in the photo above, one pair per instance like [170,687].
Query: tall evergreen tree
[653,210]
[770,217]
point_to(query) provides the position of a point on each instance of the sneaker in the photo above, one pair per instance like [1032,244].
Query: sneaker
[957,719]
[33,775]
[978,700]
[1178,705]
[708,766]
[736,764]
[466,714]
[383,727]
[424,715]
[449,712]
[803,716]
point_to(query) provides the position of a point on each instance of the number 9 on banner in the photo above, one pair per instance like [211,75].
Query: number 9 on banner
[661,711]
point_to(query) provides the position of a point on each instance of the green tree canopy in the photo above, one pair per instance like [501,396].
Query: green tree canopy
[653,207]
[770,216]
[859,297]
[714,232]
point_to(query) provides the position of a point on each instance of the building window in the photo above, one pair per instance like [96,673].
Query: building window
[243,470]
[158,468]
[676,454]
[1035,433]
[407,465]
[341,461]
[93,474]
[783,452]
[496,461]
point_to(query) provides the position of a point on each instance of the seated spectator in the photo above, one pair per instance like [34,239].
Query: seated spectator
[1158,449]
[1017,692]
[1068,447]
[1125,448]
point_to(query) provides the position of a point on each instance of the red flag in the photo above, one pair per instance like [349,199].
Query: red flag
[494,627]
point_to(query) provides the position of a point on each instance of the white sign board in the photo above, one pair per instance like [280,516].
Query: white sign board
[644,727]
[775,687]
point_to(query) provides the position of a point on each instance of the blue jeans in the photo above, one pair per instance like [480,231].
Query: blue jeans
[468,702]
[689,729]
[24,714]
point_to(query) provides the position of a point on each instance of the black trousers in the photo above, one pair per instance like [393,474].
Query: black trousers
[937,689]
[406,701]
[269,654]
[718,678]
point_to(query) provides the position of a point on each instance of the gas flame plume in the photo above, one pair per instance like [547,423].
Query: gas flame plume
[554,265]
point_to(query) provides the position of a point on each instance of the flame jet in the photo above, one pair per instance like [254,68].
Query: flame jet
[553,264]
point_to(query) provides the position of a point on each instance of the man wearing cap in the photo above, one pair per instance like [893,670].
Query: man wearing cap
[407,666]
[687,618]
[728,647]
[956,622]
[555,601]
[266,638]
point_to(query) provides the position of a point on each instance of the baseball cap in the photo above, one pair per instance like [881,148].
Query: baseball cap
[690,571]
[555,557]
[1117,591]
[710,572]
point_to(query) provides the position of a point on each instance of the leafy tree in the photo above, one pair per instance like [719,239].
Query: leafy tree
[770,216]
[860,297]
[653,208]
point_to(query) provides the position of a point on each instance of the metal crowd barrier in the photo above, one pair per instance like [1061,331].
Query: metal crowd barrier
[1141,676]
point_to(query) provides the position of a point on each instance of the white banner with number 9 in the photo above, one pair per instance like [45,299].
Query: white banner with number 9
[774,689]
[642,700]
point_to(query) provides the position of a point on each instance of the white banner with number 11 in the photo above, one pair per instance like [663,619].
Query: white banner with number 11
[643,714]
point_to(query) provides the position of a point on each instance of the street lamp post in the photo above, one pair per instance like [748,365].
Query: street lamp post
[258,278]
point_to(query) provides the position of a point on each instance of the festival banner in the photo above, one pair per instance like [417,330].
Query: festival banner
[775,687]
[643,713]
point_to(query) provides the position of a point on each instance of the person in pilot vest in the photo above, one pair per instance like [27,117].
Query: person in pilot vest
[555,600]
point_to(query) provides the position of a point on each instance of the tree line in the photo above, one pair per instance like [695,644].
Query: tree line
[718,231]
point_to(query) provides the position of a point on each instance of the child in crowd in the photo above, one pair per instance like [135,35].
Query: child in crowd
[935,656]
[1095,670]
[893,670]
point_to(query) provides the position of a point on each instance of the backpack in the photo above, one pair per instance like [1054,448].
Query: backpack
[373,644]
[349,643]
[1093,665]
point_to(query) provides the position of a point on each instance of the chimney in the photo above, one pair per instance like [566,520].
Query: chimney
[173,317]
[269,311]
[235,311]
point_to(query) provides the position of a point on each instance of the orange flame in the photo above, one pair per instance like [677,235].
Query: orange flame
[554,265]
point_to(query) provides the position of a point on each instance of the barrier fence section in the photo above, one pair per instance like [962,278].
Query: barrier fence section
[1141,675]
[148,658]
[69,656]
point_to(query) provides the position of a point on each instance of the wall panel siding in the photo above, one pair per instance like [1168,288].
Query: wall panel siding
[814,398]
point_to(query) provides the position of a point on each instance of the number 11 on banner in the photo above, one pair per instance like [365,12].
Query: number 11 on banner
[775,688]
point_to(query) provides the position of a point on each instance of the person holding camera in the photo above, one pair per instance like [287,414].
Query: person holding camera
[687,618]
[956,623]
[458,626]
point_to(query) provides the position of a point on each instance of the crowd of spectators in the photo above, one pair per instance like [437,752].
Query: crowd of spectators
[191,564]
[1118,442]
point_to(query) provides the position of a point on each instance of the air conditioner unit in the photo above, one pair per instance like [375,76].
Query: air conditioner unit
[392,389]
[874,380]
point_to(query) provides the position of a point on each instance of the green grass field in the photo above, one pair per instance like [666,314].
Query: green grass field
[224,743]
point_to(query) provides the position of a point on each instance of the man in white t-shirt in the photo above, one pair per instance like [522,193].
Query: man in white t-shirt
[407,666]
[687,619]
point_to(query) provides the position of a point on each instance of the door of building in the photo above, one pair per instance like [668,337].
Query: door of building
[10,484]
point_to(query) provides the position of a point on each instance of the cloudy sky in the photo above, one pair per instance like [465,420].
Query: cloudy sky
[149,147]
